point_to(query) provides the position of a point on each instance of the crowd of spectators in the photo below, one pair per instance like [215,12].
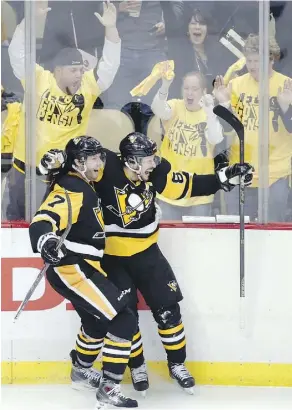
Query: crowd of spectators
[168,61]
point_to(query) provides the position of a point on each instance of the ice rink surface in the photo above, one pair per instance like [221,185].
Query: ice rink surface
[161,395]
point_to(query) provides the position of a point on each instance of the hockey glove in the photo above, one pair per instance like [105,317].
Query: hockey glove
[47,247]
[229,176]
[52,162]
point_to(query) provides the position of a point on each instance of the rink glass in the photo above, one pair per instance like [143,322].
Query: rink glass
[212,37]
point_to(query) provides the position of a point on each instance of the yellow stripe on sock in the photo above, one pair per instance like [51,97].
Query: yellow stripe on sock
[114,360]
[137,335]
[139,351]
[175,347]
[89,339]
[87,352]
[82,337]
[171,331]
[118,344]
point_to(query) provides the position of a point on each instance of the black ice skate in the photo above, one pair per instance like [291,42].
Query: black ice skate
[110,393]
[140,379]
[83,378]
[179,372]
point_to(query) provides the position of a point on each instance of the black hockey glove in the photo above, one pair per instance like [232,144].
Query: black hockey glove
[52,162]
[47,247]
[229,176]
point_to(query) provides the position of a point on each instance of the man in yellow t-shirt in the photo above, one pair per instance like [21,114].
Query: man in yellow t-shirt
[64,100]
[244,99]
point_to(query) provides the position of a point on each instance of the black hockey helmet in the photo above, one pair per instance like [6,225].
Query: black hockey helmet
[137,144]
[82,147]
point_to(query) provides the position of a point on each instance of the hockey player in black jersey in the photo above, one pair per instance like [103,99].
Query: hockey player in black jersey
[75,272]
[127,188]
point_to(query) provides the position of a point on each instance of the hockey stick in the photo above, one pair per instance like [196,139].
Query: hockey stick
[234,122]
[46,266]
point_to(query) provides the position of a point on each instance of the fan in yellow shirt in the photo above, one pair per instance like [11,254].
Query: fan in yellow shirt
[191,132]
[64,100]
[244,100]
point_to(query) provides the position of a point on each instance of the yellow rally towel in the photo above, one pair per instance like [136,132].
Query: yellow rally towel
[238,65]
[158,72]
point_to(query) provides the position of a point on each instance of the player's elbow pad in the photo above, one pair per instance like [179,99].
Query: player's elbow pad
[36,230]
[204,185]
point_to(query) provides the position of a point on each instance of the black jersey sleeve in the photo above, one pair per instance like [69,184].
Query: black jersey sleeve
[36,230]
[175,184]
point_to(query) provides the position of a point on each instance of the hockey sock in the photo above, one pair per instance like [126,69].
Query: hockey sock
[137,354]
[174,343]
[115,356]
[87,349]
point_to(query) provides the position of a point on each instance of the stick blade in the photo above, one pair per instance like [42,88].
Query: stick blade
[230,118]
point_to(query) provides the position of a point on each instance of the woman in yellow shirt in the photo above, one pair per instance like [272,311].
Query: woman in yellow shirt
[244,100]
[191,133]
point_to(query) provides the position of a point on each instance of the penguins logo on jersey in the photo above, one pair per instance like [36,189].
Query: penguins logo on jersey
[76,140]
[132,139]
[99,217]
[131,204]
[173,285]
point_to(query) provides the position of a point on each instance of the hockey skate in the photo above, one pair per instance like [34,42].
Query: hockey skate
[83,378]
[109,393]
[140,379]
[180,373]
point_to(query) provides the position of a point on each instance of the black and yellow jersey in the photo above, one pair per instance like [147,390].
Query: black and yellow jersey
[131,222]
[86,238]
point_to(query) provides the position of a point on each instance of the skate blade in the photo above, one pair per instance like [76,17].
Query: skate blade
[82,387]
[189,390]
[143,393]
